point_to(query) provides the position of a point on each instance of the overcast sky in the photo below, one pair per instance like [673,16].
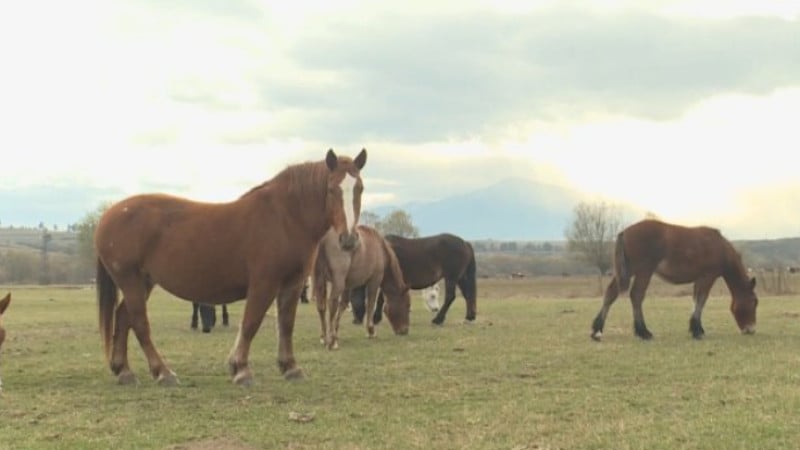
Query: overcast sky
[688,109]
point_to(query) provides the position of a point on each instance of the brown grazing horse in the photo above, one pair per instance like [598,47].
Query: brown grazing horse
[425,261]
[257,247]
[371,263]
[679,255]
[3,305]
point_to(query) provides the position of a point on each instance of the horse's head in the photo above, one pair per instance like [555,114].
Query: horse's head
[343,202]
[397,308]
[743,306]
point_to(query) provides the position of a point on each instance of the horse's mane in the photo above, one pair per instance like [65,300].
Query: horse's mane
[304,180]
[393,266]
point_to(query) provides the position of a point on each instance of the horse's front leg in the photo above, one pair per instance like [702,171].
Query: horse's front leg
[331,337]
[372,298]
[258,302]
[288,299]
[321,299]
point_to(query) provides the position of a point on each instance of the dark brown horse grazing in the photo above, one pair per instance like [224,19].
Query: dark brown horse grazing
[679,255]
[257,247]
[425,261]
[371,263]
[3,305]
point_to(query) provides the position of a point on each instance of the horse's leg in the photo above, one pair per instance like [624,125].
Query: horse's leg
[378,316]
[258,302]
[288,299]
[640,283]
[195,308]
[224,315]
[136,305]
[344,300]
[467,289]
[331,337]
[449,296]
[701,289]
[320,294]
[119,350]
[372,298]
[208,317]
[358,303]
[612,292]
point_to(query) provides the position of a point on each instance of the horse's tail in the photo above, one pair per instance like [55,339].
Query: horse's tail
[107,297]
[621,273]
[468,285]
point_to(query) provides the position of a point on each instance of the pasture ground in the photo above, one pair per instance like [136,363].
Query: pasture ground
[525,376]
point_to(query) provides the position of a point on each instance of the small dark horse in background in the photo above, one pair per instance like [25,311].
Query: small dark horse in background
[208,313]
[679,255]
[3,305]
[259,247]
[425,261]
[208,316]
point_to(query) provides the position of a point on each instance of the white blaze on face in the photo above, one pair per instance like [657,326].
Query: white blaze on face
[348,185]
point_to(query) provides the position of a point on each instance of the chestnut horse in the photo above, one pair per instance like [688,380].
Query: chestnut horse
[3,305]
[372,264]
[679,255]
[425,261]
[257,247]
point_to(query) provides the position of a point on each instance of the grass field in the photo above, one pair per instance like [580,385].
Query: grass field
[525,376]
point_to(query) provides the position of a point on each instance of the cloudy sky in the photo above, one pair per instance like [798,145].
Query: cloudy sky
[688,109]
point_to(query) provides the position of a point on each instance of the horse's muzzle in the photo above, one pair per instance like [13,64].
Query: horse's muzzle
[348,241]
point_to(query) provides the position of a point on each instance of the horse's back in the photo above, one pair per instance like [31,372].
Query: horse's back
[427,259]
[678,253]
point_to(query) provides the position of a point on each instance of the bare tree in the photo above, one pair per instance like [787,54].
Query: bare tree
[593,232]
[399,222]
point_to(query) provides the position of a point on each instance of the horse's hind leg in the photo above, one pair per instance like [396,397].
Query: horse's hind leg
[449,296]
[612,292]
[136,305]
[372,299]
[287,311]
[225,315]
[119,352]
[638,290]
[701,289]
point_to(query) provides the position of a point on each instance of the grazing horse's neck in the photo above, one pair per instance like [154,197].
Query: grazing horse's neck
[735,276]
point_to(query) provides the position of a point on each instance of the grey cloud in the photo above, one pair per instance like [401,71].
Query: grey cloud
[434,78]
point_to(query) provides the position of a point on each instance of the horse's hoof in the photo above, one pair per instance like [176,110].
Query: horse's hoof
[597,336]
[127,378]
[294,374]
[468,322]
[243,378]
[168,380]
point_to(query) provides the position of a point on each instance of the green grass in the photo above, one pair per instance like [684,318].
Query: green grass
[526,376]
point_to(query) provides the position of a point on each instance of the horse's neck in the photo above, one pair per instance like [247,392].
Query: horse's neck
[735,277]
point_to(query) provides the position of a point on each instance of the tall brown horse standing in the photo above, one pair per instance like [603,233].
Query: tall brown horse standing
[3,305]
[424,261]
[371,263]
[679,255]
[257,247]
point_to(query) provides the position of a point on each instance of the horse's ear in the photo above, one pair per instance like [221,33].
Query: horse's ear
[361,159]
[753,283]
[4,303]
[331,159]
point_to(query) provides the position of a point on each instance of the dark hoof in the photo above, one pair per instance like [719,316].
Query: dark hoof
[206,330]
[597,336]
[437,320]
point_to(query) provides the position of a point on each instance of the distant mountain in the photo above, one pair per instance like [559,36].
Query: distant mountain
[512,209]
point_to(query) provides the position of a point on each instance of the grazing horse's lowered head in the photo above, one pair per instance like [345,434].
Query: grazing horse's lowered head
[3,305]
[743,305]
[343,202]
